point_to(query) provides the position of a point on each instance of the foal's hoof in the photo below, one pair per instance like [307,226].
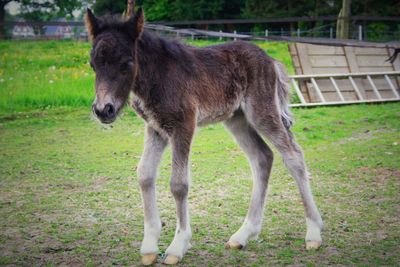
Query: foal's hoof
[171,260]
[149,259]
[313,245]
[233,245]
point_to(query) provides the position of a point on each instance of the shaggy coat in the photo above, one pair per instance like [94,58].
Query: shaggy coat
[175,88]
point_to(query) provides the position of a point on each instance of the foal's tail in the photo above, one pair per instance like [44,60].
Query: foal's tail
[283,94]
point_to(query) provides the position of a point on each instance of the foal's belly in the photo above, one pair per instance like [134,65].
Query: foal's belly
[220,108]
[220,113]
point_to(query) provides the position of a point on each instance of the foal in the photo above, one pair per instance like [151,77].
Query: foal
[176,88]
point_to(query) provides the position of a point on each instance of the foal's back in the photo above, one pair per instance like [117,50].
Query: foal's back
[226,75]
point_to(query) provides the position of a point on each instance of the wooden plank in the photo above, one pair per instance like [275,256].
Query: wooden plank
[297,90]
[295,60]
[302,52]
[306,67]
[332,97]
[353,67]
[329,70]
[370,51]
[292,49]
[349,96]
[324,50]
[293,54]
[298,71]
[304,89]
[374,87]
[356,89]
[351,59]
[317,90]
[396,65]
[326,60]
[344,75]
[337,89]
[387,94]
[380,83]
[376,69]
[326,85]
[348,102]
[391,84]
[373,61]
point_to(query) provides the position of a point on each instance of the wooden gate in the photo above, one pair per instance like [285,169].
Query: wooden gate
[315,60]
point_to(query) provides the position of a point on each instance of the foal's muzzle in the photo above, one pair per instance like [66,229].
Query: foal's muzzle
[107,115]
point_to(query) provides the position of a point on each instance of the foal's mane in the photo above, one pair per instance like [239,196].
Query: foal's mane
[112,22]
[152,46]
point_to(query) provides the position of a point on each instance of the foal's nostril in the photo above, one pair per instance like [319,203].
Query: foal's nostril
[109,111]
[96,111]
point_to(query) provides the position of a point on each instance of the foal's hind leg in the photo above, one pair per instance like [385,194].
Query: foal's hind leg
[147,171]
[260,157]
[271,126]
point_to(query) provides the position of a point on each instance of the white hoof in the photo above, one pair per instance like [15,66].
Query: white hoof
[313,236]
[171,260]
[149,259]
[233,245]
[311,245]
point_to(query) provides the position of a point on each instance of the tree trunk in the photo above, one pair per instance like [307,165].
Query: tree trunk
[344,24]
[291,24]
[2,18]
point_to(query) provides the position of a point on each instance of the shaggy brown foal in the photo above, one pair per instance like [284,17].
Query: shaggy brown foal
[176,88]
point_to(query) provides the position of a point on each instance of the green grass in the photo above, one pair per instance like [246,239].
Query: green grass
[56,73]
[44,74]
[69,193]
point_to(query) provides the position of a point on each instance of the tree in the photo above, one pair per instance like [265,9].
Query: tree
[171,10]
[102,7]
[41,10]
[3,4]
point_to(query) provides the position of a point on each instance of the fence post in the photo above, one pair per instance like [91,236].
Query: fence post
[298,32]
[331,32]
[281,31]
[220,38]
[234,38]
[266,32]
[192,36]
[360,32]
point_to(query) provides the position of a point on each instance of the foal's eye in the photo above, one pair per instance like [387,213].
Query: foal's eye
[126,67]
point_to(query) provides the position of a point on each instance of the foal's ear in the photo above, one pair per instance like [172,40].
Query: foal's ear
[92,24]
[135,24]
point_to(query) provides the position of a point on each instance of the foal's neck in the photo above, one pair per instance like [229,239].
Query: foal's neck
[154,56]
[148,61]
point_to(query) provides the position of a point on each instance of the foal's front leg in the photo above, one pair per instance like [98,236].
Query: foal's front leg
[147,172]
[180,144]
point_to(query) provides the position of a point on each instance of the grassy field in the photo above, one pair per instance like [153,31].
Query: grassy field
[57,73]
[69,193]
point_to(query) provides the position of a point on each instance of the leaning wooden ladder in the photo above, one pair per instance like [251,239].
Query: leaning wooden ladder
[297,79]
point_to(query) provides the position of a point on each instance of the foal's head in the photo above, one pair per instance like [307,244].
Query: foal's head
[113,58]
